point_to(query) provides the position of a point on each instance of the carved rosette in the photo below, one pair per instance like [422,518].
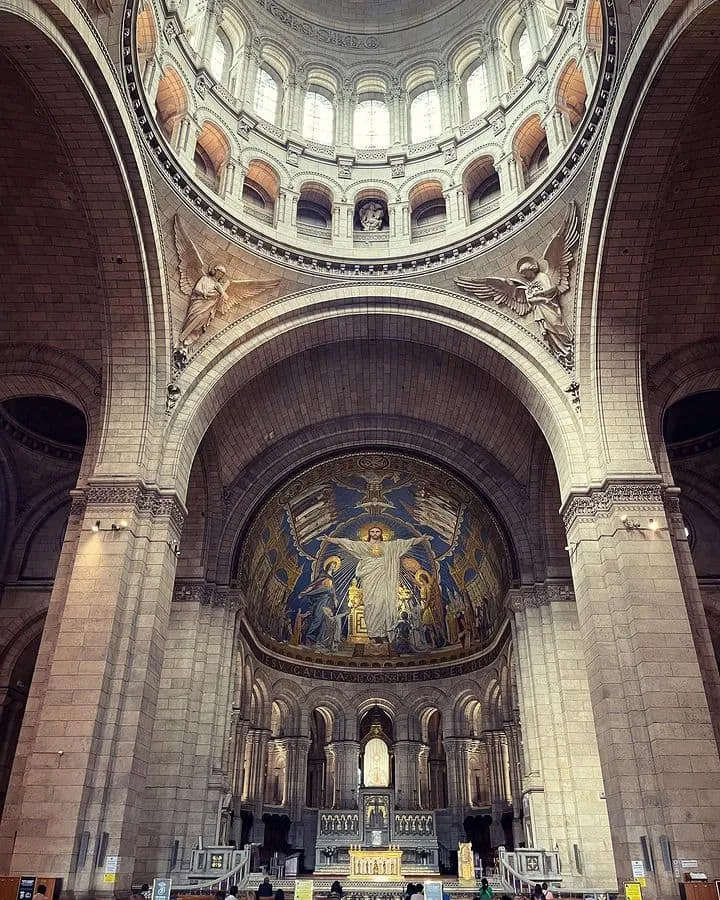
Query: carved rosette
[600,502]
[537,595]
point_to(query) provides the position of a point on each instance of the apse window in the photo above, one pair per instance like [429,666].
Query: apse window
[425,120]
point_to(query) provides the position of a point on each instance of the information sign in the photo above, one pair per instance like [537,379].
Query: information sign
[633,891]
[161,889]
[433,890]
[304,889]
[26,888]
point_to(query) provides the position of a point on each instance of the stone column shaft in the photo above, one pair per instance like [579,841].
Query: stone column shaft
[85,755]
[655,735]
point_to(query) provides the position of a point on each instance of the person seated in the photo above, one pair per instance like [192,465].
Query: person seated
[265,889]
[336,889]
[279,894]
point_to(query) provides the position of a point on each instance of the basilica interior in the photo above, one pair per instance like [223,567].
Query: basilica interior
[359,443]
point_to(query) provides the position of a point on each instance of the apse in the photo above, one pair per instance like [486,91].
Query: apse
[374,560]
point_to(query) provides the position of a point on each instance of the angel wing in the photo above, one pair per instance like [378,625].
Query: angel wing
[508,292]
[190,264]
[242,289]
[558,255]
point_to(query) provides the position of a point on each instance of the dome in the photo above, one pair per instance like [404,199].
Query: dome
[379,143]
[374,561]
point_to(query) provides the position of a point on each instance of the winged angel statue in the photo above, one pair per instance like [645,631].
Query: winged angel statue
[540,288]
[211,293]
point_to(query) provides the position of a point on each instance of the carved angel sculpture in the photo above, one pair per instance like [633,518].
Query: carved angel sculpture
[211,293]
[540,288]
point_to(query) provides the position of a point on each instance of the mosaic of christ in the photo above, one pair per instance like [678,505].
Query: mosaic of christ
[352,559]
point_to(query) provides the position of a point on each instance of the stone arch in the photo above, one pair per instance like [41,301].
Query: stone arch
[609,329]
[125,257]
[571,93]
[303,321]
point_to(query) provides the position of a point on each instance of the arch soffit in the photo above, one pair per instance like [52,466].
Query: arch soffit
[37,369]
[27,627]
[43,506]
[130,330]
[171,63]
[218,375]
[615,181]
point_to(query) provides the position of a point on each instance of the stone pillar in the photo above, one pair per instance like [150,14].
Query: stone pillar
[213,17]
[654,730]
[494,70]
[84,749]
[407,773]
[589,67]
[512,181]
[498,799]
[562,784]
[296,785]
[258,738]
[512,734]
[694,605]
[558,131]
[187,135]
[444,93]
[246,81]
[424,777]
[347,755]
[457,774]
[535,28]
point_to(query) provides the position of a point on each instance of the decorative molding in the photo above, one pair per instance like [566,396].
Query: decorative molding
[395,671]
[599,502]
[536,595]
[217,596]
[319,33]
[147,501]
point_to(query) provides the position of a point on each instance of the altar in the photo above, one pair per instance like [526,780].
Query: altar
[376,840]
[376,864]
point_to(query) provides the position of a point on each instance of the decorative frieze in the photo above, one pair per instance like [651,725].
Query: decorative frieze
[214,595]
[147,501]
[536,595]
[600,502]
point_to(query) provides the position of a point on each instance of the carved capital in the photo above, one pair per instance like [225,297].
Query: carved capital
[600,502]
[536,595]
[207,594]
[146,500]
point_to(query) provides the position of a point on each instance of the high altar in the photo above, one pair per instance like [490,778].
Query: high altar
[376,841]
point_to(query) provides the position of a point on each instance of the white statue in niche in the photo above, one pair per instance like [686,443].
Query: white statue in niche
[540,289]
[211,293]
[376,769]
[371,214]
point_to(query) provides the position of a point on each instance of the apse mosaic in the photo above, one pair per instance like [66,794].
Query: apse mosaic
[375,556]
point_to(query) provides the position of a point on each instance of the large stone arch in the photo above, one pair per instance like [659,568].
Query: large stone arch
[373,311]
[674,52]
[120,313]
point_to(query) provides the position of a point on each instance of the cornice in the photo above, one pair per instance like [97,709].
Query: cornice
[146,500]
[599,502]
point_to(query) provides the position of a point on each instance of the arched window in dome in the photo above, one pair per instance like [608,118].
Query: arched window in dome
[477,90]
[525,52]
[221,58]
[318,118]
[371,124]
[267,95]
[425,120]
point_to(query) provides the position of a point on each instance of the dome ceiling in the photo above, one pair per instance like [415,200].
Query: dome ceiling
[374,560]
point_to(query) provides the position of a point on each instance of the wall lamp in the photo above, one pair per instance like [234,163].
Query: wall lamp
[114,526]
[630,524]
[175,547]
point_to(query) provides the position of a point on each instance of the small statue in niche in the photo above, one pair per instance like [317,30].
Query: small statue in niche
[540,289]
[211,293]
[371,213]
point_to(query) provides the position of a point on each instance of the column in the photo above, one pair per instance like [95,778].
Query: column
[535,28]
[457,773]
[424,778]
[497,793]
[443,88]
[407,773]
[213,17]
[655,735]
[258,738]
[512,181]
[296,785]
[495,79]
[347,755]
[187,135]
[512,734]
[84,747]
[558,130]
[562,783]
